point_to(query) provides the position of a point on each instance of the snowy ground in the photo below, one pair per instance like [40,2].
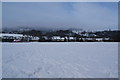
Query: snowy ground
[119,60]
[60,60]
[0,61]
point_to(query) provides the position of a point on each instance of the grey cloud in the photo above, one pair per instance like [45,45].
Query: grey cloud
[89,16]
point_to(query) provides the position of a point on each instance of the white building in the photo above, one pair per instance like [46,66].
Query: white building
[58,38]
[11,36]
[18,37]
[72,38]
[99,39]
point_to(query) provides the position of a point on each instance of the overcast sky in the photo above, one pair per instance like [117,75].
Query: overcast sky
[61,15]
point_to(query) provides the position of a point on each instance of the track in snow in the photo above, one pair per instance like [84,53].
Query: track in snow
[60,60]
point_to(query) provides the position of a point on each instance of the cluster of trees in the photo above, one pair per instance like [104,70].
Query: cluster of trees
[112,35]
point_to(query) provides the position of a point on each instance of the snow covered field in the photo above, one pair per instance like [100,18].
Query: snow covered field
[60,60]
[0,61]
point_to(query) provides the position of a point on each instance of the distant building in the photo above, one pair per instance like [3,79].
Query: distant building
[58,38]
[11,37]
[72,38]
[99,39]
[17,38]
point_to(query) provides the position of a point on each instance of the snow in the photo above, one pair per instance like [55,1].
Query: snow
[119,60]
[0,61]
[14,35]
[56,37]
[60,60]
[71,38]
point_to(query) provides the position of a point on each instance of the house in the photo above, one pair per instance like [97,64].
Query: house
[99,39]
[58,38]
[10,37]
[87,39]
[62,39]
[106,39]
[72,38]
[17,38]
[34,38]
